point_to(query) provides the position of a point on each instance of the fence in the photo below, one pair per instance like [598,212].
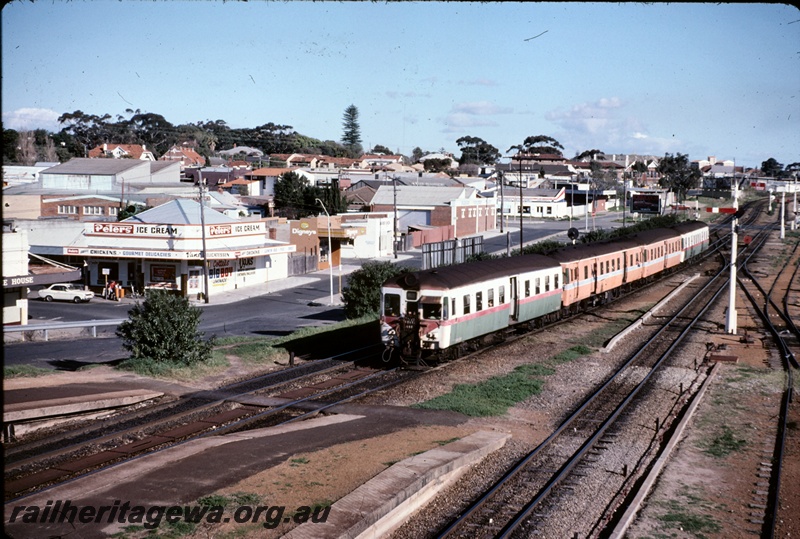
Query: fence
[302,264]
[44,329]
[448,252]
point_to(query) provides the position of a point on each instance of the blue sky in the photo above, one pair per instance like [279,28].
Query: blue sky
[700,79]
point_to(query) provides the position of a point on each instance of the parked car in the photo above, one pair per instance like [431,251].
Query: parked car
[66,292]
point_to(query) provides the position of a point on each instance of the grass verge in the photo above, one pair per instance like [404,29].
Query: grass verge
[496,395]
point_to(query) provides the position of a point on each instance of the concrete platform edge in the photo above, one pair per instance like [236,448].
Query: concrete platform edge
[381,504]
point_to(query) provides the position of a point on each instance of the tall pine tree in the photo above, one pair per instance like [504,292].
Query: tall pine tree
[351,136]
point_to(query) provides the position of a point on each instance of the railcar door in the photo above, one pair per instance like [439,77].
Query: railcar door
[514,299]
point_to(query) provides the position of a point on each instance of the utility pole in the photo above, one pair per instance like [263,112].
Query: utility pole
[521,240]
[394,219]
[202,185]
[330,251]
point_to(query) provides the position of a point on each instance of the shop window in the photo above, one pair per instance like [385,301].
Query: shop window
[67,210]
[93,210]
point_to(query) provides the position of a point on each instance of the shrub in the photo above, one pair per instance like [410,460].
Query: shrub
[163,330]
[362,295]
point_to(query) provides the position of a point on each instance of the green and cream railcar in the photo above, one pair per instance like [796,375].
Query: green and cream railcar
[428,311]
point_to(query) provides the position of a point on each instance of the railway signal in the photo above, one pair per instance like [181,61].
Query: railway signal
[730,319]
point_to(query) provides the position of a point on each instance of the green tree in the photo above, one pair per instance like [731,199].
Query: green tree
[437,165]
[163,330]
[351,136]
[591,154]
[677,174]
[362,294]
[539,144]
[10,139]
[379,149]
[417,154]
[475,150]
[290,196]
[771,167]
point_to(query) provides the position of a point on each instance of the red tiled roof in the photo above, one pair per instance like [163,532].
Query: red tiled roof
[134,150]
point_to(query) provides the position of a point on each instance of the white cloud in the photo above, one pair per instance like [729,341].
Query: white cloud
[457,122]
[31,118]
[481,108]
[603,124]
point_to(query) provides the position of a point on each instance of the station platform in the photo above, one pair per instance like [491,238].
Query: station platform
[181,474]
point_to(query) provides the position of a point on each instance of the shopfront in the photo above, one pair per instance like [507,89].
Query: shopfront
[145,255]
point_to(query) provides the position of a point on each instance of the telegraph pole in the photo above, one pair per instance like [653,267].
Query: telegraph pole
[202,186]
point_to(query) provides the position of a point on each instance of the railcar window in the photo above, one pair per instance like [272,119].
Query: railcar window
[478,301]
[445,311]
[566,276]
[527,288]
[555,281]
[586,273]
[391,304]
[466,304]
[453,306]
[501,294]
[547,283]
[490,298]
[538,289]
[431,311]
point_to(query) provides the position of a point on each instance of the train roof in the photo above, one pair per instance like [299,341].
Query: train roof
[473,272]
[570,253]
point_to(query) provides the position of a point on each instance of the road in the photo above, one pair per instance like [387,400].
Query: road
[275,314]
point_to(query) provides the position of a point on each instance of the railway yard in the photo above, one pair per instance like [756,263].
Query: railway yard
[674,429]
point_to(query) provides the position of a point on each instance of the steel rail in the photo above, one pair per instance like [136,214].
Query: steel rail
[524,462]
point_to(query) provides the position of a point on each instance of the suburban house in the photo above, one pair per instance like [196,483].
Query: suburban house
[267,177]
[122,151]
[185,155]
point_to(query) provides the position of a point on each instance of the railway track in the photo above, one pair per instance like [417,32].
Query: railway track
[779,317]
[581,493]
[256,403]
[527,499]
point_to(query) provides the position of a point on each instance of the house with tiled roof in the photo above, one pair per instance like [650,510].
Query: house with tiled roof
[122,151]
[267,177]
[185,155]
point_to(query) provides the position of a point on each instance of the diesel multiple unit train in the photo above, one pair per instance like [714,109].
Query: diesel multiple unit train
[438,312]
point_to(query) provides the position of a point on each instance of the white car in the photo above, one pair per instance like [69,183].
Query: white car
[66,292]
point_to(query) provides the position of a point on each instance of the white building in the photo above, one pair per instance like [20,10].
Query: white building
[163,248]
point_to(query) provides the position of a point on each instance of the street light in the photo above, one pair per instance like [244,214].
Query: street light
[330,251]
